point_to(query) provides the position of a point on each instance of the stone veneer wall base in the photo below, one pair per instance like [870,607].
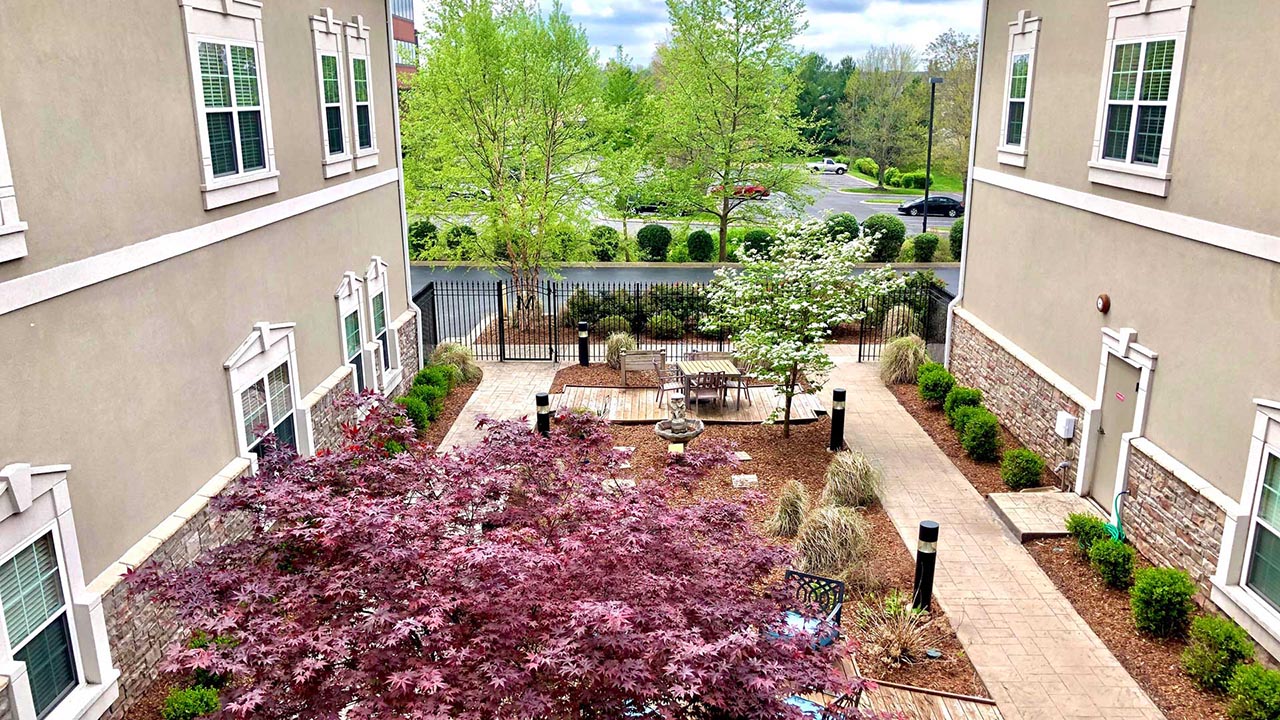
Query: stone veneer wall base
[410,352]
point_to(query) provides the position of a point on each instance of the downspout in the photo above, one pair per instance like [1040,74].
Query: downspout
[968,183]
[404,219]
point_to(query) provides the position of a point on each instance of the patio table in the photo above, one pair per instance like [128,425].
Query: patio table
[691,368]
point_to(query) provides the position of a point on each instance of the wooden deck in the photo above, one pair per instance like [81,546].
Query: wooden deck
[920,704]
[636,405]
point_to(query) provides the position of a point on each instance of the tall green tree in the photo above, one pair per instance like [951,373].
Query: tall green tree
[883,112]
[626,134]
[725,97]
[953,56]
[821,90]
[498,129]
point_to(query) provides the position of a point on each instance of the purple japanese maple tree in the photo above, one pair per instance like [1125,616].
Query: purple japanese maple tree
[504,580]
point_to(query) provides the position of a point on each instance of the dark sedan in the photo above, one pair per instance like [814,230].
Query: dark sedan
[940,205]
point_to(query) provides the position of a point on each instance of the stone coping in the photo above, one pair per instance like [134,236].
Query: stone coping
[329,383]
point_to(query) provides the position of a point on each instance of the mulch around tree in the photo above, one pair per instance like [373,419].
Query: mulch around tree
[1154,663]
[151,701]
[984,476]
[453,404]
[776,461]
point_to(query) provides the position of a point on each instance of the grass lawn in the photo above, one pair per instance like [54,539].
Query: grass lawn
[882,201]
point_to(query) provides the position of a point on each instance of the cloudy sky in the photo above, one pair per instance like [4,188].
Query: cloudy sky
[836,27]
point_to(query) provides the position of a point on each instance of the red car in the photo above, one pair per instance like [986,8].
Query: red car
[751,191]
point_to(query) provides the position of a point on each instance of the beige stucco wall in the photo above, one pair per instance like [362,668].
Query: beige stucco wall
[111,135]
[124,380]
[1221,158]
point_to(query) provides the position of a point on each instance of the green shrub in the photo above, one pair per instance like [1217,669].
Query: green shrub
[1021,468]
[914,179]
[654,241]
[959,397]
[866,166]
[665,326]
[1255,693]
[613,324]
[1113,560]
[841,227]
[925,244]
[702,247]
[1161,601]
[901,359]
[442,376]
[922,279]
[934,382]
[889,233]
[961,416]
[416,410]
[757,241]
[582,305]
[604,242]
[893,177]
[907,253]
[190,703]
[615,345]
[460,357]
[956,239]
[981,436]
[457,236]
[422,233]
[1086,529]
[1218,645]
[678,252]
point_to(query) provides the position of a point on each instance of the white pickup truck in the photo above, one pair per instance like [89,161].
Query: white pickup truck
[828,165]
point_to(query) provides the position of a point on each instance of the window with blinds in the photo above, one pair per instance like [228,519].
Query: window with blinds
[266,407]
[380,327]
[1138,101]
[332,89]
[364,122]
[351,327]
[35,614]
[1018,74]
[232,107]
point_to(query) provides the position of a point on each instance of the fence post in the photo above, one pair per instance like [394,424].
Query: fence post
[502,324]
[861,327]
[553,339]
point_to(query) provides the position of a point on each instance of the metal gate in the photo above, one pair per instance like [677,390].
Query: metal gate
[527,322]
[918,311]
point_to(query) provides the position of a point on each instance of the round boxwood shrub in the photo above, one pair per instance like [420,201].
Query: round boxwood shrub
[1161,601]
[934,382]
[665,326]
[962,415]
[421,234]
[604,242]
[1113,560]
[893,177]
[1086,529]
[1255,693]
[702,247]
[981,436]
[416,410]
[757,241]
[1218,645]
[1021,468]
[959,397]
[925,245]
[458,235]
[866,166]
[654,241]
[888,232]
[842,227]
[613,324]
[956,238]
[190,703]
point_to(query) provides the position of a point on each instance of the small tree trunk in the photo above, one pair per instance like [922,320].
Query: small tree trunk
[526,312]
[724,229]
[793,377]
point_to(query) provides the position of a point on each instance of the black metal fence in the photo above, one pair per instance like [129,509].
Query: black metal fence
[501,321]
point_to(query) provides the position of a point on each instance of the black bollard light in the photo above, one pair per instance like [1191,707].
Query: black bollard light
[544,414]
[837,420]
[584,358]
[926,559]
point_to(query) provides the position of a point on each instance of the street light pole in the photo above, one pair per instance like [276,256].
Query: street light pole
[934,82]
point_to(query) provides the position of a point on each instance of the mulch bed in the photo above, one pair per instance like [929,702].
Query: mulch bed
[776,461]
[984,476]
[453,404]
[151,702]
[1155,663]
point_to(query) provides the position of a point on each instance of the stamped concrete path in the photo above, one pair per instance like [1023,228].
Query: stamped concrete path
[1037,657]
[506,393]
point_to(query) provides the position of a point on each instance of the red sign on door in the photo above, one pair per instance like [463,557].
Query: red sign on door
[1120,396]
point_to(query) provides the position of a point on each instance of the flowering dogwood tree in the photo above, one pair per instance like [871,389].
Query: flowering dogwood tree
[782,304]
[506,580]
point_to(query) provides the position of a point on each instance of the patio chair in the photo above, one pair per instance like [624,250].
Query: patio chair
[642,361]
[669,380]
[712,385]
[714,355]
[834,709]
[826,593]
[741,383]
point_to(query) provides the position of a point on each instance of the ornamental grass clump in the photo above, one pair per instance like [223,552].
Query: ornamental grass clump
[900,321]
[1161,601]
[852,481]
[901,360]
[894,632]
[615,345]
[1218,646]
[459,356]
[793,504]
[831,541]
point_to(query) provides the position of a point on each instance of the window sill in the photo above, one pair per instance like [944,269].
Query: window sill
[1260,620]
[366,158]
[1010,155]
[228,191]
[1150,181]
[88,701]
[391,379]
[337,165]
[13,241]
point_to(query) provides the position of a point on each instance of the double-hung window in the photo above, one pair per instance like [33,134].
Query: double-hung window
[332,88]
[1138,97]
[331,74]
[351,323]
[1264,555]
[1017,99]
[267,407]
[380,327]
[359,51]
[364,126]
[1016,113]
[376,284]
[229,89]
[352,346]
[35,614]
[13,237]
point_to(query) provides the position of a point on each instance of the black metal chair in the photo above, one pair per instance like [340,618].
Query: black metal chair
[826,593]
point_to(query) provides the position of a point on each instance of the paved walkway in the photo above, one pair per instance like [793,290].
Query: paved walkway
[1037,657]
[506,393]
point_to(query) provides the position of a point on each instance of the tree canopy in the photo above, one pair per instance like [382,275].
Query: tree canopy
[883,112]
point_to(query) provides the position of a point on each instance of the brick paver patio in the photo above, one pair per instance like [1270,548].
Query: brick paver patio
[506,393]
[1037,657]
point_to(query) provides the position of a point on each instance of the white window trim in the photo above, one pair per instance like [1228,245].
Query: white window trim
[34,501]
[229,22]
[350,296]
[1229,589]
[1141,21]
[1024,33]
[266,347]
[13,232]
[376,283]
[327,34]
[358,48]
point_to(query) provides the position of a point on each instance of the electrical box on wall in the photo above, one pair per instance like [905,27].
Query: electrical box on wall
[1066,425]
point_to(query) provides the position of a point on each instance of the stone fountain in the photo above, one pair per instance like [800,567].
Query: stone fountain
[678,429]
